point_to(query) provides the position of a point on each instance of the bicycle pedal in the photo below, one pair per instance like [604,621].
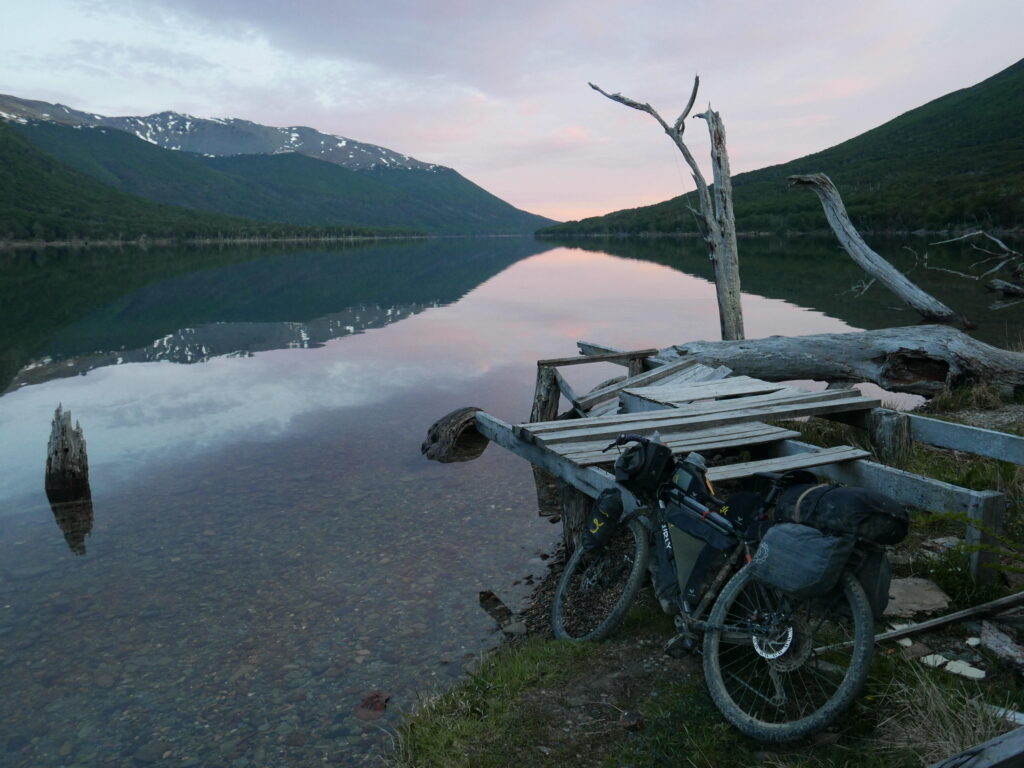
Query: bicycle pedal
[680,646]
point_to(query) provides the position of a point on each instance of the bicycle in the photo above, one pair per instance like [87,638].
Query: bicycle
[779,664]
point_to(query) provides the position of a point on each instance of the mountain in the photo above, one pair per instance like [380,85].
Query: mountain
[957,162]
[294,175]
[40,198]
[217,136]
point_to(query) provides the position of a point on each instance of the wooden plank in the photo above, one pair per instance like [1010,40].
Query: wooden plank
[644,379]
[608,357]
[1006,751]
[604,409]
[701,446]
[634,404]
[667,413]
[565,388]
[786,463]
[960,437]
[594,350]
[905,487]
[770,411]
[588,480]
[711,390]
[752,429]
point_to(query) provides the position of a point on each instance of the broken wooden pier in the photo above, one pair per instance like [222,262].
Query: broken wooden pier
[695,407]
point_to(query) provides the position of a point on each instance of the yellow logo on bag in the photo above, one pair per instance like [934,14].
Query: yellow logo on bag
[597,525]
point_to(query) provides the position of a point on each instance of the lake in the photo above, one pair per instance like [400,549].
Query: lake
[267,545]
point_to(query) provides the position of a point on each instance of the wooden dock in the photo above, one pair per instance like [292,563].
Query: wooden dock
[693,407]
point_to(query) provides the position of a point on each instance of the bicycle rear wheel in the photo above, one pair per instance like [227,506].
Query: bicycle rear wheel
[780,668]
[596,589]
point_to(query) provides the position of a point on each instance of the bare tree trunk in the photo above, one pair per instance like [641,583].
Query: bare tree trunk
[726,259]
[715,217]
[880,269]
[922,359]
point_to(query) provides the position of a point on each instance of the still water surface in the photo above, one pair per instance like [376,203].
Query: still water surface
[268,545]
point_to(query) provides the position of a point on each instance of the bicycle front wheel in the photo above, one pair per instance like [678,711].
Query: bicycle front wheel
[596,589]
[780,668]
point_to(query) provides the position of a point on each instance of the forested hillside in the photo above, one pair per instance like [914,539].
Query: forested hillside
[289,187]
[954,163]
[42,199]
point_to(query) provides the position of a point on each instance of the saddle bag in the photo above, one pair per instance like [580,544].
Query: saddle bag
[800,560]
[844,511]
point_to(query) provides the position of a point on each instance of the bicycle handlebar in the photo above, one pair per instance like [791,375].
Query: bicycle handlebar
[626,438]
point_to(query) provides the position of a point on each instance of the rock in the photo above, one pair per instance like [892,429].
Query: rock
[631,720]
[294,739]
[915,595]
[151,752]
[495,608]
[1001,644]
[964,669]
[103,680]
[372,706]
[515,629]
[973,642]
[916,651]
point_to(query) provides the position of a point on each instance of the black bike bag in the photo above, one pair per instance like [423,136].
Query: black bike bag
[699,548]
[642,467]
[839,510]
[603,521]
[800,561]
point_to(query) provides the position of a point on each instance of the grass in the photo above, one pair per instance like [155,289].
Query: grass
[478,722]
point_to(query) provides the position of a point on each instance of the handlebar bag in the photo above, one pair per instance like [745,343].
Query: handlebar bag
[840,510]
[800,560]
[642,467]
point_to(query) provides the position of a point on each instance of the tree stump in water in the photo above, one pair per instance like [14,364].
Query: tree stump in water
[67,480]
[67,465]
[454,437]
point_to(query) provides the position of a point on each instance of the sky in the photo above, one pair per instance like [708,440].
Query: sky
[498,90]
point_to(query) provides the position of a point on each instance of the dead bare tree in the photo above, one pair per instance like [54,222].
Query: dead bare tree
[876,266]
[715,217]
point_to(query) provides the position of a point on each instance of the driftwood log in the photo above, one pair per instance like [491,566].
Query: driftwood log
[67,463]
[922,360]
[1006,288]
[715,217]
[876,266]
[453,437]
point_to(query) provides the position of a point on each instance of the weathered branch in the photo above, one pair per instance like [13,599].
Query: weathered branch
[922,359]
[927,305]
[715,220]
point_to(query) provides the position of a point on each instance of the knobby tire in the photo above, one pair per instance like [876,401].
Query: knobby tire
[596,590]
[800,671]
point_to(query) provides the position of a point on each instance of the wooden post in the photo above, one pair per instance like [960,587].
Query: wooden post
[986,511]
[575,511]
[545,408]
[890,435]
